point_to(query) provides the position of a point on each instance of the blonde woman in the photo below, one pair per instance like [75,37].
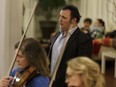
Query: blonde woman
[83,72]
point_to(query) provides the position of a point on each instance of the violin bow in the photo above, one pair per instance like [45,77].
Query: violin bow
[23,36]
[53,76]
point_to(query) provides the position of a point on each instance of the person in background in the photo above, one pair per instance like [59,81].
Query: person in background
[32,59]
[86,27]
[77,43]
[98,30]
[83,72]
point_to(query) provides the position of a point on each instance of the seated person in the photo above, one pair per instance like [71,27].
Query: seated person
[111,34]
[83,72]
[86,27]
[98,29]
[31,59]
[107,41]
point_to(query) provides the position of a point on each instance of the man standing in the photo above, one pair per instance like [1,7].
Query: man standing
[77,43]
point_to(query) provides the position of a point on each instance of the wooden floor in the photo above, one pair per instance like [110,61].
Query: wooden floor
[109,75]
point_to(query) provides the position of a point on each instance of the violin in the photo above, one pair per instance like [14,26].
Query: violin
[21,77]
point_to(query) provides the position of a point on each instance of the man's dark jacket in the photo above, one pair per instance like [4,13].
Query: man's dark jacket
[79,44]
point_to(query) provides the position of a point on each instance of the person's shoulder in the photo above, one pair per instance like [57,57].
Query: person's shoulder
[38,81]
[40,77]
[83,36]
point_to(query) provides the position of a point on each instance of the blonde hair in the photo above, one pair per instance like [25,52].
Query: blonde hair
[89,70]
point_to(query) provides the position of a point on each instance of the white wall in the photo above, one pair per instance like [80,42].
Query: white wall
[29,6]
[11,24]
[10,32]
[96,9]
[2,35]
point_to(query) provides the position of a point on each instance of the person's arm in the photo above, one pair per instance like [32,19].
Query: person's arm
[5,81]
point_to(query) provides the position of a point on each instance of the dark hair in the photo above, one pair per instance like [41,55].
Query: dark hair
[74,12]
[35,55]
[88,20]
[101,22]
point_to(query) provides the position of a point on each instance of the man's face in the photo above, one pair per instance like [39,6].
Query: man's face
[64,19]
[73,79]
[87,24]
[97,24]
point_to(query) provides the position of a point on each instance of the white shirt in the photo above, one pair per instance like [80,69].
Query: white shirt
[57,47]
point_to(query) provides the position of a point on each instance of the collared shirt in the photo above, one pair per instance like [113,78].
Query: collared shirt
[57,47]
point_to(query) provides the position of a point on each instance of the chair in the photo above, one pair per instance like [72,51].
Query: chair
[108,54]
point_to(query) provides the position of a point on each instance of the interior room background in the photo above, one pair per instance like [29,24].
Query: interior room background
[13,20]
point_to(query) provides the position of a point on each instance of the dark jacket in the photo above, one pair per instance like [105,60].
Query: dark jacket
[79,44]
